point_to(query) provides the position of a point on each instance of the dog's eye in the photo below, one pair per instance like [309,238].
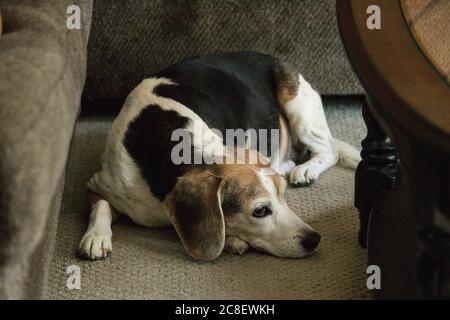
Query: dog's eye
[262,211]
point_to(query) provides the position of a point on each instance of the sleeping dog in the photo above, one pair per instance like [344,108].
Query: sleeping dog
[224,204]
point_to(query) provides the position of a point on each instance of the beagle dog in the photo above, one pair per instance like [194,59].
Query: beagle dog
[224,204]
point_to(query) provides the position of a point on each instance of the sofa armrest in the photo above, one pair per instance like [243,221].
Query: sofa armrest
[42,67]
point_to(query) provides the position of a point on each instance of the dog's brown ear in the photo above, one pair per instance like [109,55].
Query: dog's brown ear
[194,206]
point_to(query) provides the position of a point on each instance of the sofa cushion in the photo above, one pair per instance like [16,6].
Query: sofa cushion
[131,40]
[42,65]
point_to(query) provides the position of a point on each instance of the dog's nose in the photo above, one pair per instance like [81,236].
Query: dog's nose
[310,240]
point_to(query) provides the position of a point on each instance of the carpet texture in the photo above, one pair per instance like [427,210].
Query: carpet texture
[151,263]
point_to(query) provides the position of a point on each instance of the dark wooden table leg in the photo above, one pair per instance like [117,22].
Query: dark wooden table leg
[409,228]
[433,266]
[378,169]
[404,205]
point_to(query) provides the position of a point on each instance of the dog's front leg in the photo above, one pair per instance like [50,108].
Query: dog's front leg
[96,242]
[234,245]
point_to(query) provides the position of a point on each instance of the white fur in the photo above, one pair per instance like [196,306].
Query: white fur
[279,233]
[308,126]
[96,242]
[120,180]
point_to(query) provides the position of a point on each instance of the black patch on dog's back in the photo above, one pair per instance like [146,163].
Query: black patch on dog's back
[227,90]
[148,141]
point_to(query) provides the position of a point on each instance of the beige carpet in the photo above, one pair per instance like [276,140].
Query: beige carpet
[151,263]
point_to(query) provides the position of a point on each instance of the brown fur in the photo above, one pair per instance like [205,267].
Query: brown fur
[196,213]
[286,87]
[278,184]
[242,186]
[286,82]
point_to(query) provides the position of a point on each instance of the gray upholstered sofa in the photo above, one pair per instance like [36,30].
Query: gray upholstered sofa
[48,71]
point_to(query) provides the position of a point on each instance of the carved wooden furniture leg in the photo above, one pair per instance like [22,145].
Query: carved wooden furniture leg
[409,228]
[378,169]
[405,221]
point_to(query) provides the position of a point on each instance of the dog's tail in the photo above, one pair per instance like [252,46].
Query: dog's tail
[349,156]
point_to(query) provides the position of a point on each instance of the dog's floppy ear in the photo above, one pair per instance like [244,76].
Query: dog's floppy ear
[194,206]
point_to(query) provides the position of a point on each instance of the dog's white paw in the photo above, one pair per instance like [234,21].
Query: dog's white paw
[235,245]
[303,175]
[285,167]
[95,245]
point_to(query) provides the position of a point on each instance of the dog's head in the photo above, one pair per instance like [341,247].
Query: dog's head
[243,201]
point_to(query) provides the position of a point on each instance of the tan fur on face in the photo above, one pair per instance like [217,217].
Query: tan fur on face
[201,198]
[212,209]
[242,187]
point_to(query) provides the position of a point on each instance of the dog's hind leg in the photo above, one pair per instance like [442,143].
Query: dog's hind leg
[302,107]
[96,242]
